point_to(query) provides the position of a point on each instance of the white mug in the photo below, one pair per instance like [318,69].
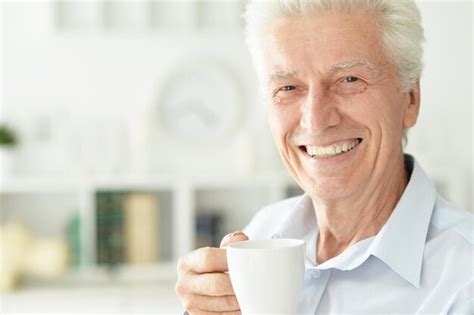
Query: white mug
[267,275]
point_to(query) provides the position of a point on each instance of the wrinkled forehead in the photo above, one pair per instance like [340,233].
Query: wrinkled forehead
[327,41]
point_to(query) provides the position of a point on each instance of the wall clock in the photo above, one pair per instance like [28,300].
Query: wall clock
[200,102]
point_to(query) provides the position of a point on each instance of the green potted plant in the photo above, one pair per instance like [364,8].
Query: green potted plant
[8,143]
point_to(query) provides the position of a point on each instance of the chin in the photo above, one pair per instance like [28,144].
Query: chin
[329,189]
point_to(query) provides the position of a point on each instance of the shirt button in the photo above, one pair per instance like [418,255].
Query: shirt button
[315,273]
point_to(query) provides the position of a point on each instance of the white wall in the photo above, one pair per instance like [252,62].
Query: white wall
[442,140]
[106,83]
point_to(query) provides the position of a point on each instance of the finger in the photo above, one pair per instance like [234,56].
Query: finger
[226,303]
[203,260]
[210,284]
[233,237]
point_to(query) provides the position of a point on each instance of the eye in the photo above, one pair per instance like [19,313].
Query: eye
[287,88]
[286,94]
[350,79]
[349,84]
[284,91]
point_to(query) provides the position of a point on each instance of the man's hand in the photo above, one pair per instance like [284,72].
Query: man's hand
[203,285]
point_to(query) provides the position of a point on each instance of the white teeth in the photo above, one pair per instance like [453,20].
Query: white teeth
[328,151]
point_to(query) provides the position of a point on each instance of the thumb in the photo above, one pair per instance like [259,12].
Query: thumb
[233,238]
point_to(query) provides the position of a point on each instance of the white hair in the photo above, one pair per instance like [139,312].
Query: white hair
[399,21]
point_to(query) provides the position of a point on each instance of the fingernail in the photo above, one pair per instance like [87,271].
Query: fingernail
[237,233]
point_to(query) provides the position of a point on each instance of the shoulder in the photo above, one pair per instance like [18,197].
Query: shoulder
[450,241]
[450,221]
[267,219]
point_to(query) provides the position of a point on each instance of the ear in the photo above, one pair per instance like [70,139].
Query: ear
[413,107]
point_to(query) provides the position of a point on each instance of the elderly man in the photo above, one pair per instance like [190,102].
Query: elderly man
[342,84]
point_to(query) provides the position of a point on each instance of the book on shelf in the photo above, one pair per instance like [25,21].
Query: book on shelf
[128,228]
[208,230]
[74,240]
[109,227]
[141,228]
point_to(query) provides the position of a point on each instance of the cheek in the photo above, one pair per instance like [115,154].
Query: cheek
[380,113]
[393,115]
[283,121]
[275,126]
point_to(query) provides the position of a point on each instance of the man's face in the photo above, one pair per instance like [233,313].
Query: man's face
[336,110]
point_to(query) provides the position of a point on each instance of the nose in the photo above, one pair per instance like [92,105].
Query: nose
[319,112]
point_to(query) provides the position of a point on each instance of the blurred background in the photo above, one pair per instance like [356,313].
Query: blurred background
[132,132]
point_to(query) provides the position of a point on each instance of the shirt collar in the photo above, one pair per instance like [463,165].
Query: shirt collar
[299,222]
[399,244]
[401,241]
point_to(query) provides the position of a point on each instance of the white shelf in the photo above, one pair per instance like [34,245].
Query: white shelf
[27,185]
[236,197]
[124,274]
[109,298]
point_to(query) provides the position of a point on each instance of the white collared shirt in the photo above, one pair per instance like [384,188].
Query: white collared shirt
[420,262]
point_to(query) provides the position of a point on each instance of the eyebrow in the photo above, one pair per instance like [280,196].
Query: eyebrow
[278,75]
[356,62]
[353,63]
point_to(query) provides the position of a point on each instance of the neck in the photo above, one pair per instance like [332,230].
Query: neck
[343,223]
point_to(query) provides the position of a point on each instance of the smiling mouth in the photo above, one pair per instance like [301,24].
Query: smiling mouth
[332,150]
